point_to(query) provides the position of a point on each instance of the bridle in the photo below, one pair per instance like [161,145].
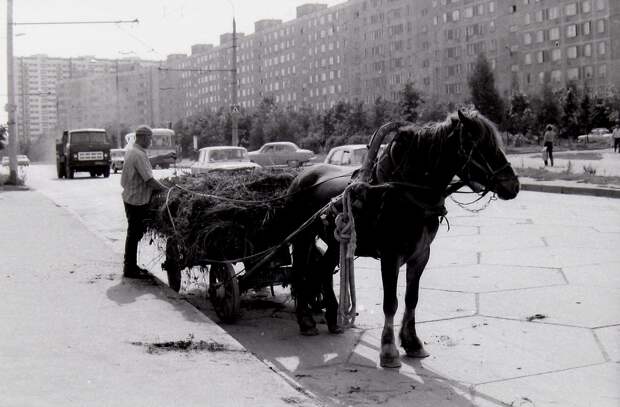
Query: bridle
[492,175]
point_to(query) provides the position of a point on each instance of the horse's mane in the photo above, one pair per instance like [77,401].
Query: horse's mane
[434,135]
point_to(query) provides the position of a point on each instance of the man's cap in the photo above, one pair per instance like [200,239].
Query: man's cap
[144,131]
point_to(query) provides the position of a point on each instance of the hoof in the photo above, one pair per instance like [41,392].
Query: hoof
[335,329]
[309,331]
[390,361]
[420,353]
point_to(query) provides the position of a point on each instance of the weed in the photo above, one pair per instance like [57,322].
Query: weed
[589,170]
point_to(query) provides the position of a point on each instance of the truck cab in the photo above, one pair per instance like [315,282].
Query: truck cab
[83,150]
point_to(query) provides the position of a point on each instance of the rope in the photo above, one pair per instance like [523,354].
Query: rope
[345,234]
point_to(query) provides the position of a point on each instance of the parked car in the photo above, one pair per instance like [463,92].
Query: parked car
[222,158]
[21,160]
[118,159]
[598,134]
[281,153]
[349,155]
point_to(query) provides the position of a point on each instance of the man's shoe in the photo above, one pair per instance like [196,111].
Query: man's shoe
[135,272]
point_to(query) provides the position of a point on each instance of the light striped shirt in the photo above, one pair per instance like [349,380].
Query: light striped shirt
[137,171]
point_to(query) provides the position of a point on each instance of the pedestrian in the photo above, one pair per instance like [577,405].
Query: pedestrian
[548,140]
[138,186]
[616,137]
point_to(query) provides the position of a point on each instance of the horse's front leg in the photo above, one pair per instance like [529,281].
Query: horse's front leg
[408,336]
[389,356]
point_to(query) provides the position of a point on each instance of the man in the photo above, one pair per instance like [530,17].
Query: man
[138,186]
[548,140]
[616,137]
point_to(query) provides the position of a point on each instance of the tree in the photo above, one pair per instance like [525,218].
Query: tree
[546,108]
[569,121]
[483,92]
[410,100]
[3,137]
[585,111]
[600,114]
[520,115]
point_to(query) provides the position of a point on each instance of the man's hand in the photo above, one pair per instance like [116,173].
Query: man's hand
[172,155]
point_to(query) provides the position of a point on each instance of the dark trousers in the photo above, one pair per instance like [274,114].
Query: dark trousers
[617,145]
[549,146]
[136,216]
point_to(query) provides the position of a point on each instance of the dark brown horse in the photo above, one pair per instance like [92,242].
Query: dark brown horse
[397,214]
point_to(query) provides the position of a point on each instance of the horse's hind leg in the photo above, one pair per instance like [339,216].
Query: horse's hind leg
[326,267]
[304,284]
[408,337]
[389,356]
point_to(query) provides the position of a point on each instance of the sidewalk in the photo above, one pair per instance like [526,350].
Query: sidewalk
[75,333]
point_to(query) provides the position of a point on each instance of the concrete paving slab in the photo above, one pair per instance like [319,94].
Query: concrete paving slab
[360,386]
[446,244]
[601,275]
[583,306]
[474,350]
[580,387]
[433,305]
[609,337]
[548,257]
[479,278]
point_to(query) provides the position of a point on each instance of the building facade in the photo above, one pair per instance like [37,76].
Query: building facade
[359,50]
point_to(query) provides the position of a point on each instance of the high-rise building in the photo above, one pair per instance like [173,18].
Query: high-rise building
[37,77]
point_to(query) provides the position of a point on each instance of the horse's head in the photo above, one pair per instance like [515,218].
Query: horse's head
[484,165]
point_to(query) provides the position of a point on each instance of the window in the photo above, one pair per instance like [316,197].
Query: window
[587,28]
[540,36]
[554,33]
[572,74]
[586,6]
[527,19]
[571,52]
[571,9]
[587,50]
[528,59]
[556,54]
[602,48]
[554,12]
[556,76]
[540,57]
[602,71]
[600,4]
[588,72]
[527,38]
[571,31]
[600,26]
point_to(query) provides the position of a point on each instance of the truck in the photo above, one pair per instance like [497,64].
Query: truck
[83,150]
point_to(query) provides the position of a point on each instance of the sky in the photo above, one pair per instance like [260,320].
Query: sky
[165,27]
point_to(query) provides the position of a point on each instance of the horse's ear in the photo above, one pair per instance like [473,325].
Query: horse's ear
[462,117]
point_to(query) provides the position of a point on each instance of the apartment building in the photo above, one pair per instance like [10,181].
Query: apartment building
[130,97]
[37,77]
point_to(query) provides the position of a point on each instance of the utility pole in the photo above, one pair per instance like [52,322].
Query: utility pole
[234,108]
[119,143]
[10,107]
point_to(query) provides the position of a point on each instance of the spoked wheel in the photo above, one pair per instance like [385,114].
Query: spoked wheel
[224,292]
[172,265]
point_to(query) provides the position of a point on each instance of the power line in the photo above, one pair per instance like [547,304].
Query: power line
[135,20]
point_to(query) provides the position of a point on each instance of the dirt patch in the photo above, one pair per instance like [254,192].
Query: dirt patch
[187,345]
[536,316]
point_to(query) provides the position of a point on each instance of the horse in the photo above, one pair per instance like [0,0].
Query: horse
[397,209]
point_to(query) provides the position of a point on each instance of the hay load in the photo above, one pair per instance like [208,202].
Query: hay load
[222,216]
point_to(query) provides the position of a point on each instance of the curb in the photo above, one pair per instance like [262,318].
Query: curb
[570,190]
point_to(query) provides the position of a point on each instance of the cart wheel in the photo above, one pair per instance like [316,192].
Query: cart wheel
[172,266]
[224,292]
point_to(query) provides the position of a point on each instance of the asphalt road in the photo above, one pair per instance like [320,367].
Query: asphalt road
[518,301]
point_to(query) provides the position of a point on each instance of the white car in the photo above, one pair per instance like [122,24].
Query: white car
[598,134]
[222,158]
[350,155]
[281,153]
[21,160]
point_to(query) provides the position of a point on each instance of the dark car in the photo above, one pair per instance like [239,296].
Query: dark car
[281,153]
